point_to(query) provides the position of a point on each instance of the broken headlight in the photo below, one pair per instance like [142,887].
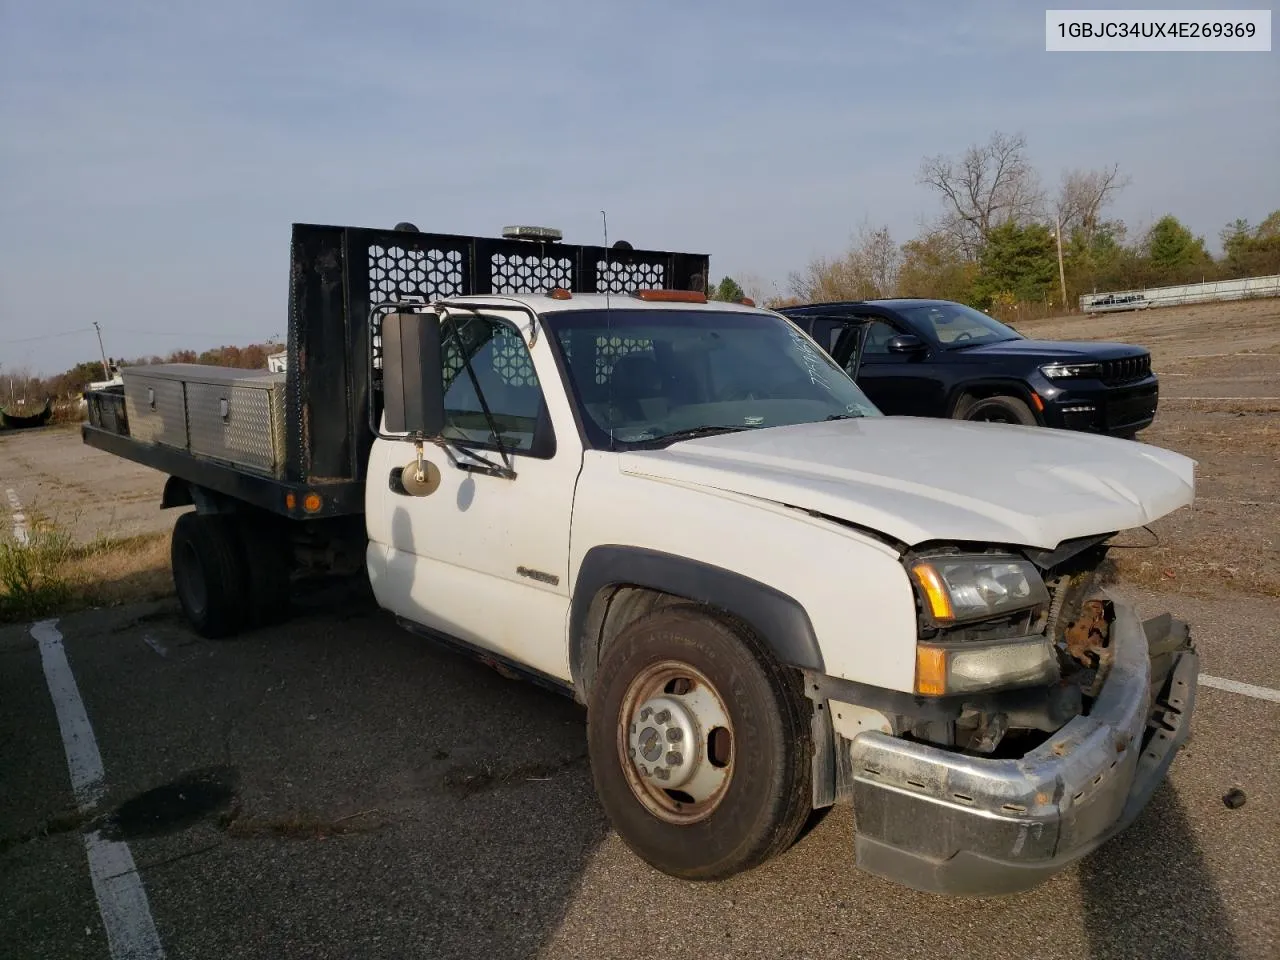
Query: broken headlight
[958,589]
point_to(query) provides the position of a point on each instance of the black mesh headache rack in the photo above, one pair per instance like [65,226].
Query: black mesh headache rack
[322,403]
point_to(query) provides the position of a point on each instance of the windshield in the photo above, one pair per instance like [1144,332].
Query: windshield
[646,377]
[955,325]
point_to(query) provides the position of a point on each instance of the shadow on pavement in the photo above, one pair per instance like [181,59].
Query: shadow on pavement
[1150,893]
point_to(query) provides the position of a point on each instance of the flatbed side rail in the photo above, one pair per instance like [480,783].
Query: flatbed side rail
[287,498]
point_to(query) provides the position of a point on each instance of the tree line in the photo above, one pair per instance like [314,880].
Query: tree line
[994,242]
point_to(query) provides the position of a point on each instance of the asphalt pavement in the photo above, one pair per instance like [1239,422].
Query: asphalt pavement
[336,787]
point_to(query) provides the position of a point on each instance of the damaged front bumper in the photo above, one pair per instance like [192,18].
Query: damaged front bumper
[948,823]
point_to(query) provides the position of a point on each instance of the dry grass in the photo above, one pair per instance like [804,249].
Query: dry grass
[108,573]
[51,575]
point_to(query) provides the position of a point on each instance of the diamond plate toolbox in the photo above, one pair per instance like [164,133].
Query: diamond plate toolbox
[154,406]
[222,413]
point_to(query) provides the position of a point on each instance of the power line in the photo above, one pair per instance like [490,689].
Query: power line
[49,336]
[170,333]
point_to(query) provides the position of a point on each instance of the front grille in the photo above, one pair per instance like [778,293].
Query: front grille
[1126,370]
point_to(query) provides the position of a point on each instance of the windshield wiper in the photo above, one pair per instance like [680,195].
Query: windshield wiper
[689,433]
[844,416]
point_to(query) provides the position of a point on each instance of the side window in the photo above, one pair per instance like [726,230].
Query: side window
[876,346]
[504,372]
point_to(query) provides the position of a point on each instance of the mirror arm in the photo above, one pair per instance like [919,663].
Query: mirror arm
[484,466]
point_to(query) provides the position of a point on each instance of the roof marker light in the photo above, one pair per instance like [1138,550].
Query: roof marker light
[670,296]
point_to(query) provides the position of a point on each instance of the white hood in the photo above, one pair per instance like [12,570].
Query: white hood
[918,479]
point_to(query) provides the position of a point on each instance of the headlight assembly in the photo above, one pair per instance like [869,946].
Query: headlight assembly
[963,588]
[1071,371]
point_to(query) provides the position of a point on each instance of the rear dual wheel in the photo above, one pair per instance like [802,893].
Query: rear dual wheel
[230,572]
[700,745]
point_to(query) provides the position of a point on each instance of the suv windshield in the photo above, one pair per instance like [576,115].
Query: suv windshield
[955,325]
[648,377]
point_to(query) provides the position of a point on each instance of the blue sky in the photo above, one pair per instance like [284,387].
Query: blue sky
[154,154]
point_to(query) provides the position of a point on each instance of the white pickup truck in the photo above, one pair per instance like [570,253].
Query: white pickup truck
[769,597]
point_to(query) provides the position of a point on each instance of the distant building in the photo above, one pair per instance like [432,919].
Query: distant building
[278,362]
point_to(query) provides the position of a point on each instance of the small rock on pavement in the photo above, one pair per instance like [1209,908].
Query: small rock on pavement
[1234,799]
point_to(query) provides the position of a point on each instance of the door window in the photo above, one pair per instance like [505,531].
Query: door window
[504,372]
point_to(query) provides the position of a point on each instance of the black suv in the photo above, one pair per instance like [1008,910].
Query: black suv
[936,358]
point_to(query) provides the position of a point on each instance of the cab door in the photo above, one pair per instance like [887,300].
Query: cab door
[485,558]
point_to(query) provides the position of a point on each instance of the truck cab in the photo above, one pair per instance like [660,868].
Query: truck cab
[769,597]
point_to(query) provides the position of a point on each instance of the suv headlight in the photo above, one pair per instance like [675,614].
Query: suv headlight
[1071,371]
[960,588]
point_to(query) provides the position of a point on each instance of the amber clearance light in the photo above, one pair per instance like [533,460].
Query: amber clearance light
[670,296]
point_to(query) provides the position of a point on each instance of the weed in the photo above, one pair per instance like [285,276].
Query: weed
[51,574]
[32,583]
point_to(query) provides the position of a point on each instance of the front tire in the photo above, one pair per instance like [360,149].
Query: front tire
[700,745]
[997,409]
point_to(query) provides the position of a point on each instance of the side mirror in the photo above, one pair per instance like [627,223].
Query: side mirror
[412,374]
[906,343]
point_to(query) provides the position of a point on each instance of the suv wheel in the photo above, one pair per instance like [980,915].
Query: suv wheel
[700,745]
[997,409]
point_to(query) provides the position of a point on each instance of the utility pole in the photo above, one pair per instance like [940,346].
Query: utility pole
[1062,273]
[106,370]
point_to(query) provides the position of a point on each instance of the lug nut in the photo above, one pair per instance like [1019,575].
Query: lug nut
[646,713]
[633,728]
[674,759]
[631,752]
[644,771]
[675,734]
[663,773]
[663,716]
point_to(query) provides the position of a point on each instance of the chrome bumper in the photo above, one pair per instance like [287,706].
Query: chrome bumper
[946,823]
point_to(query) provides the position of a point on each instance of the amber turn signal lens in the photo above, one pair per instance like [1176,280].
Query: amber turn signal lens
[935,592]
[311,503]
[931,671]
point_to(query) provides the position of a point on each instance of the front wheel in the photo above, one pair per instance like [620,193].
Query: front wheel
[998,409]
[700,745]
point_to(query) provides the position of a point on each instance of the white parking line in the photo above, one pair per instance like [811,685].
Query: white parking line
[1247,689]
[122,901]
[19,518]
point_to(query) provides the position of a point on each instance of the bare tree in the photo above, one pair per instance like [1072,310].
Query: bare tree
[1084,194]
[988,185]
[754,286]
[868,269]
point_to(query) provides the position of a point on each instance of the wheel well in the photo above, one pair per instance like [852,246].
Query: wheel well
[612,610]
[616,584]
